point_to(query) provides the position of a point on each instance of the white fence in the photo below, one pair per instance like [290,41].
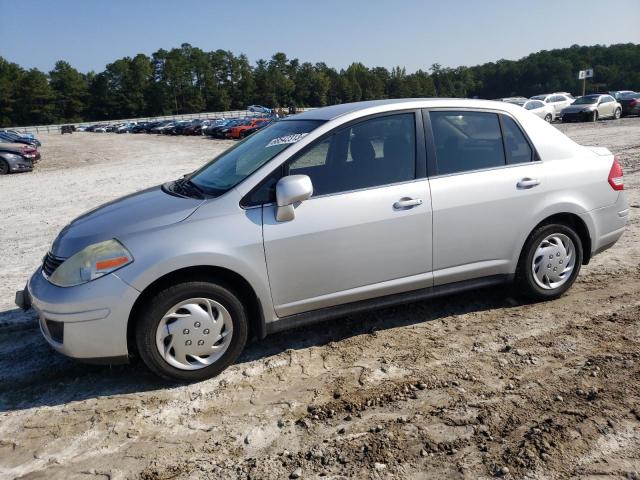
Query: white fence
[187,116]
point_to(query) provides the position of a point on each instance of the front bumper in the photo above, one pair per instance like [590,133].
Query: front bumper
[21,167]
[86,322]
[577,116]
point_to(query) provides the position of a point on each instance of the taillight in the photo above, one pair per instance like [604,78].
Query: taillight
[633,103]
[615,176]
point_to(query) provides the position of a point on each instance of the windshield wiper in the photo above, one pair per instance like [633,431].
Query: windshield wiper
[187,188]
[193,187]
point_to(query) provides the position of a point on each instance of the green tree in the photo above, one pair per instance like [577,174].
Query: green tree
[36,100]
[11,77]
[70,92]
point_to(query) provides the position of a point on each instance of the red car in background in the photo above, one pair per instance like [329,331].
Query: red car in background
[240,130]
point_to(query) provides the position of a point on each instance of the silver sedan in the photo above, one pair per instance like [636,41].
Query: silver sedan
[592,108]
[323,214]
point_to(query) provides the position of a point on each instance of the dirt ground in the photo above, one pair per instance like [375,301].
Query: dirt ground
[474,386]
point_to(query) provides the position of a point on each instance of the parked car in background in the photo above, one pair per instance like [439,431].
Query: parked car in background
[151,125]
[19,133]
[254,129]
[330,212]
[617,94]
[537,107]
[161,126]
[17,157]
[556,100]
[178,127]
[214,124]
[195,127]
[630,104]
[592,108]
[67,129]
[238,131]
[219,130]
[139,127]
[125,127]
[7,136]
[519,100]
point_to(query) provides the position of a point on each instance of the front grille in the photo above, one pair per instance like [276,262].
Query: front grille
[50,263]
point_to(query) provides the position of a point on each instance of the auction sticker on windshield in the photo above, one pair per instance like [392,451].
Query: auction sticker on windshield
[286,139]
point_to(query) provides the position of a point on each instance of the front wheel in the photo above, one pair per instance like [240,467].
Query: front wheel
[4,167]
[191,331]
[548,118]
[594,116]
[550,262]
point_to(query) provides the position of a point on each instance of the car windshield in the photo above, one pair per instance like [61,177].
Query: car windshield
[234,165]
[539,97]
[586,100]
[628,95]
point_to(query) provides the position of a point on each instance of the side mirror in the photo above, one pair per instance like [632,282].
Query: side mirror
[289,191]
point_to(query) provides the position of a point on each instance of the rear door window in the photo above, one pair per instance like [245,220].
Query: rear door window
[466,141]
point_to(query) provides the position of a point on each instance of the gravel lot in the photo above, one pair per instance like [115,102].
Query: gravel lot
[474,386]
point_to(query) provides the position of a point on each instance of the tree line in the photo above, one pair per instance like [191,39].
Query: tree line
[190,80]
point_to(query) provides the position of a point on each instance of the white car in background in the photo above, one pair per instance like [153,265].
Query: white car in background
[558,100]
[537,107]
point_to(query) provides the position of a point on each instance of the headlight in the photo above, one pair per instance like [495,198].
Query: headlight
[90,263]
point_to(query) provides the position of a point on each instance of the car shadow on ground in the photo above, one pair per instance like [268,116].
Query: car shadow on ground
[33,375]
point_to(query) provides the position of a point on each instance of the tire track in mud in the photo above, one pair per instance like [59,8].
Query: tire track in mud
[249,401]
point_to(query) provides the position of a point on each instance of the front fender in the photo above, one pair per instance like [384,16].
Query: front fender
[232,241]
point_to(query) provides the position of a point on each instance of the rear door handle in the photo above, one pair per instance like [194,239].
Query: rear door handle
[406,202]
[528,183]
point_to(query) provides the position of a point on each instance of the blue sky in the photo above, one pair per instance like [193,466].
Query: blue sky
[412,33]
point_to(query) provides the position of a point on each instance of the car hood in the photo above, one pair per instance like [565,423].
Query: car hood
[144,210]
[578,108]
[12,147]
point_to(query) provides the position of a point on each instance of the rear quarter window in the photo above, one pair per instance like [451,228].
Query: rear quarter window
[516,146]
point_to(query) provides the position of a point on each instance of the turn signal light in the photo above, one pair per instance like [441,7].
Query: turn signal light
[111,263]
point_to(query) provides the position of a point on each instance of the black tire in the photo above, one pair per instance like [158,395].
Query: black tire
[4,167]
[525,283]
[594,116]
[617,114]
[158,305]
[548,118]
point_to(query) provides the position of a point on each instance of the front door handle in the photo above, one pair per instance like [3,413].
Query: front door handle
[406,202]
[528,183]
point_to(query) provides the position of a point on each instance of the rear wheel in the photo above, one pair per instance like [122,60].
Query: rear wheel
[548,118]
[617,114]
[191,331]
[4,167]
[550,262]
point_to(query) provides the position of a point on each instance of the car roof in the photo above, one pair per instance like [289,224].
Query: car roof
[335,111]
